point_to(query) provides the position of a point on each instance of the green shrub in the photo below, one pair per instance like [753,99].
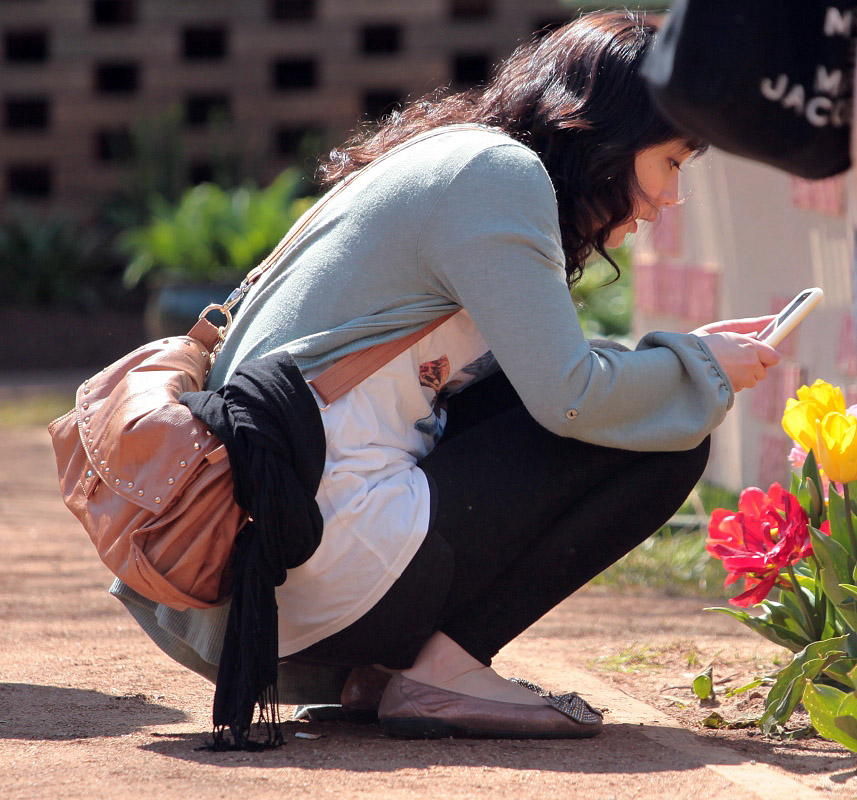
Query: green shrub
[54,262]
[604,306]
[213,234]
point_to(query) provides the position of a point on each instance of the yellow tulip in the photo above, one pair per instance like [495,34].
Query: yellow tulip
[826,396]
[812,405]
[837,446]
[799,421]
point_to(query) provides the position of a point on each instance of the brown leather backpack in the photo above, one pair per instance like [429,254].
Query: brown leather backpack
[151,486]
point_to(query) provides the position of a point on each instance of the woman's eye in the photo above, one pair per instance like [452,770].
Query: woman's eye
[674,164]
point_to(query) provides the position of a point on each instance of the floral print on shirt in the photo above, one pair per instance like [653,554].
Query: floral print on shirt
[434,375]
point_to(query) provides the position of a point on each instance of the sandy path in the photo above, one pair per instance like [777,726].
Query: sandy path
[90,708]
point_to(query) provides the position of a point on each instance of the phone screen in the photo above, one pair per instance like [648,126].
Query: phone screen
[782,316]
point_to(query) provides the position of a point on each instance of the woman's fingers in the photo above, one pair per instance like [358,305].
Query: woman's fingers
[745,360]
[745,325]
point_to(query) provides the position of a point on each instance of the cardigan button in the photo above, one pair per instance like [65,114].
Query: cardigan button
[571,413]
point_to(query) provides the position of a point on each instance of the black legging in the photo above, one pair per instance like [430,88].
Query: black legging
[521,518]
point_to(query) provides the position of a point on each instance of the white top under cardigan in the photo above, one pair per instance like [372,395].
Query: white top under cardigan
[468,219]
[373,498]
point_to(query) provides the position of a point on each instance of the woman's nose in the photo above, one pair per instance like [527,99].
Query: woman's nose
[669,196]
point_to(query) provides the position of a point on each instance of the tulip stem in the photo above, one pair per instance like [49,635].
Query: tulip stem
[848,521]
[808,616]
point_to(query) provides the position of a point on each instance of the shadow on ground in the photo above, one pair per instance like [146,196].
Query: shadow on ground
[621,749]
[35,712]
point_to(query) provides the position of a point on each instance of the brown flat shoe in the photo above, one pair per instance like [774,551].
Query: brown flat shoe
[412,710]
[363,689]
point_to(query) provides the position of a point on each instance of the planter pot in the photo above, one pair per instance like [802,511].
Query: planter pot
[173,309]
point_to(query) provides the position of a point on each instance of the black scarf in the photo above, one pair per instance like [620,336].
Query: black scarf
[269,421]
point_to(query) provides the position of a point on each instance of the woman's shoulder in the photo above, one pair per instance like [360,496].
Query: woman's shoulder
[469,140]
[472,156]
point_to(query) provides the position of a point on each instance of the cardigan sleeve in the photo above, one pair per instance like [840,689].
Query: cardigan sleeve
[491,242]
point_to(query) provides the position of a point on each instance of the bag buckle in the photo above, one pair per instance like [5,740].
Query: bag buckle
[225,308]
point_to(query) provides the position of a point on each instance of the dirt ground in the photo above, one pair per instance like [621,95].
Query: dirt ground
[90,708]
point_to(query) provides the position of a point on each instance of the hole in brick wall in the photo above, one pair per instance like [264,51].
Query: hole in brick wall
[288,139]
[295,73]
[293,9]
[471,9]
[381,102]
[201,172]
[200,109]
[204,42]
[381,39]
[27,113]
[114,12]
[29,180]
[114,145]
[118,78]
[470,69]
[26,46]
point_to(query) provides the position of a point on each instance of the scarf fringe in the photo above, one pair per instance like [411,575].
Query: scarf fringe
[268,722]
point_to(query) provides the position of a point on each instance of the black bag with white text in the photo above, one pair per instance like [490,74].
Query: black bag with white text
[769,80]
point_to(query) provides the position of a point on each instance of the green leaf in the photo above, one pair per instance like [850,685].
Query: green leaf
[836,515]
[773,632]
[838,671]
[791,680]
[807,582]
[790,601]
[703,684]
[746,688]
[823,704]
[836,569]
[846,715]
[794,488]
[786,614]
[810,473]
[715,720]
[815,506]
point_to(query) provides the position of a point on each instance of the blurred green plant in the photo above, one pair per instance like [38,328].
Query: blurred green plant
[54,262]
[604,305]
[213,234]
[674,560]
[158,165]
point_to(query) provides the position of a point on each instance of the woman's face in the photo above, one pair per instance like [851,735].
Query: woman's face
[657,171]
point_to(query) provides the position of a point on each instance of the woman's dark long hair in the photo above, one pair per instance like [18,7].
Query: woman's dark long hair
[576,98]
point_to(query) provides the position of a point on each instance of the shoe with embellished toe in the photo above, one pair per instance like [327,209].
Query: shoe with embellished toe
[413,710]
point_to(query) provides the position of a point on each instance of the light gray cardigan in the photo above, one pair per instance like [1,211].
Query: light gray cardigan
[466,218]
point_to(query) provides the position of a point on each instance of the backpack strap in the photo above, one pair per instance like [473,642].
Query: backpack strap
[346,373]
[350,370]
[253,276]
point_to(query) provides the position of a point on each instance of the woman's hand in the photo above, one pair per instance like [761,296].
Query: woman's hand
[745,360]
[749,325]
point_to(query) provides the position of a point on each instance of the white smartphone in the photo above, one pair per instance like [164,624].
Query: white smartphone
[787,320]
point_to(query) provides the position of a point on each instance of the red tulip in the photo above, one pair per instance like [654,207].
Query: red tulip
[768,533]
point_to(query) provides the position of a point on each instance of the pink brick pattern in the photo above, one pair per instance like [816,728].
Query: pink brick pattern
[769,397]
[847,355]
[666,232]
[773,460]
[825,197]
[687,292]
